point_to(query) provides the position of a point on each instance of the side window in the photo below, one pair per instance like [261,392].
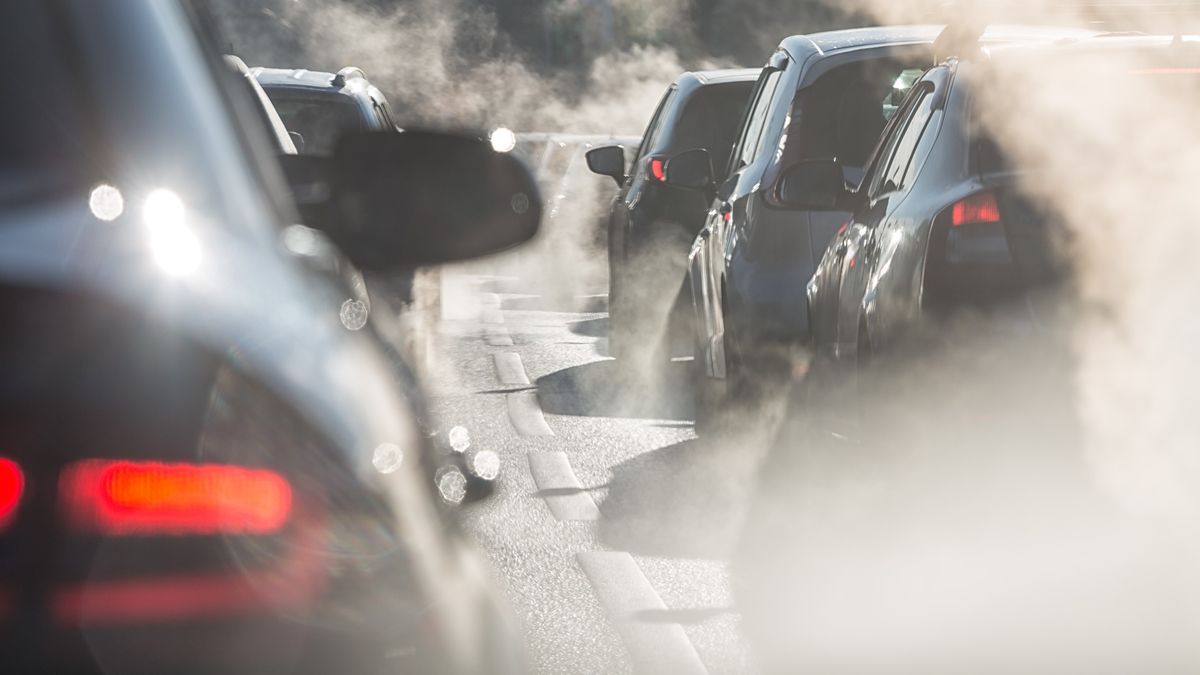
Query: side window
[654,129]
[906,146]
[881,161]
[756,120]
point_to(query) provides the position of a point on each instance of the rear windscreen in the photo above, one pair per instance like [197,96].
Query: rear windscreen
[44,144]
[319,119]
[711,119]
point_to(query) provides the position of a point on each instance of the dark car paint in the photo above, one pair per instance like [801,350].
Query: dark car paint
[642,205]
[252,309]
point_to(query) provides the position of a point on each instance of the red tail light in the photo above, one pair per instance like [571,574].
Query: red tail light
[658,169]
[12,486]
[976,209]
[122,497]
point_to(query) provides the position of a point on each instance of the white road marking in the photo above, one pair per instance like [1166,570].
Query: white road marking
[509,369]
[526,415]
[565,496]
[624,592]
[497,336]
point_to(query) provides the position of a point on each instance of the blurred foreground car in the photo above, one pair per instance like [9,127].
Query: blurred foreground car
[207,469]
[821,96]
[651,224]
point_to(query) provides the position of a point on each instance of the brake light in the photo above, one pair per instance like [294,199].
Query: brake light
[976,209]
[658,169]
[124,497]
[12,486]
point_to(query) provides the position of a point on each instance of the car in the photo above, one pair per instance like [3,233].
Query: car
[826,95]
[944,221]
[319,107]
[652,223]
[207,469]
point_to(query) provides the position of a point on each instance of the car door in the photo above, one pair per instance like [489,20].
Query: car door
[871,236]
[726,220]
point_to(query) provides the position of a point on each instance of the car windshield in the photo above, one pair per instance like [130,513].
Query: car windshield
[319,119]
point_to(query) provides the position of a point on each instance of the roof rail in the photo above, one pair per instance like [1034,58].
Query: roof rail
[959,39]
[348,73]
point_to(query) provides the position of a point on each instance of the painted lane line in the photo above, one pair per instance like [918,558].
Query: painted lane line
[509,369]
[624,592]
[564,495]
[497,336]
[526,415]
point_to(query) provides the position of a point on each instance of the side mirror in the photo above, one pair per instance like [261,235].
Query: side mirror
[690,169]
[392,200]
[608,160]
[817,185]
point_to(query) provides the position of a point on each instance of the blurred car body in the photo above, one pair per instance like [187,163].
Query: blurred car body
[819,96]
[651,223]
[320,106]
[209,469]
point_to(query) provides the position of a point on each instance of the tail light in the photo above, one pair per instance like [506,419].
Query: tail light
[12,486]
[978,209]
[124,497]
[658,169]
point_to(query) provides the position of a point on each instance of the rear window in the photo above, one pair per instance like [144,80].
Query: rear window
[319,119]
[711,119]
[44,139]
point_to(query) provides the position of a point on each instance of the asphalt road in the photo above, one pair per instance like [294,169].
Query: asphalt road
[613,525]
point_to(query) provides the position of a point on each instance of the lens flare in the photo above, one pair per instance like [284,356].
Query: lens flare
[106,202]
[175,247]
[503,139]
[387,458]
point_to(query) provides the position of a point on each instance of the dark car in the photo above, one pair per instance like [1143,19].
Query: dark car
[320,107]
[943,220]
[651,223]
[206,469]
[827,95]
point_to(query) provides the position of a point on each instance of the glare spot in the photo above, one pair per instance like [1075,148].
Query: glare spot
[460,438]
[387,457]
[451,484]
[106,202]
[300,240]
[486,464]
[520,203]
[354,314]
[174,245]
[503,139]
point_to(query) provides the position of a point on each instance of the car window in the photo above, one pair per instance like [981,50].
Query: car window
[319,119]
[654,129]
[843,113]
[881,158]
[43,133]
[710,120]
[756,120]
[909,137]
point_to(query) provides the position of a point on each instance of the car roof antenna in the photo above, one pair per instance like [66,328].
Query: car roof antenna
[959,38]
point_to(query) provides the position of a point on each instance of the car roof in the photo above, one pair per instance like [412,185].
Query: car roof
[830,42]
[723,76]
[314,80]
